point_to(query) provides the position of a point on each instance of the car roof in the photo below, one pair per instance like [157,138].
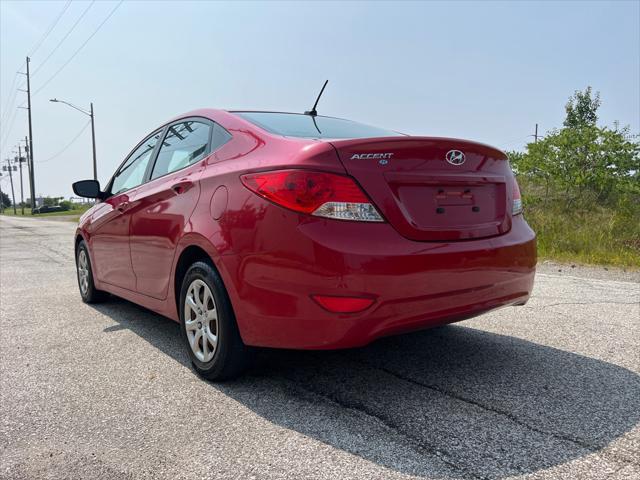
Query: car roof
[216,112]
[285,113]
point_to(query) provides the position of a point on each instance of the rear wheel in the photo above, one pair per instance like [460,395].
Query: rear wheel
[88,291]
[209,326]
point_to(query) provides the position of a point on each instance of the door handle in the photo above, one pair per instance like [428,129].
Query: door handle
[182,186]
[122,206]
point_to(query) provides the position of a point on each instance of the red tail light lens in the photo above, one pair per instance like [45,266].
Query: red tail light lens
[516,208]
[315,193]
[343,304]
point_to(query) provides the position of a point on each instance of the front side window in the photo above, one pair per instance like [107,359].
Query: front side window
[184,144]
[131,173]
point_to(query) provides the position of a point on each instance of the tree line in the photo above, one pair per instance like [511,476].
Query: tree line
[582,163]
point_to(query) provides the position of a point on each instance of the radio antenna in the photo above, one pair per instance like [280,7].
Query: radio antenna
[313,112]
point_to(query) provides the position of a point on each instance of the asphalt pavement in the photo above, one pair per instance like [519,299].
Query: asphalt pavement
[548,390]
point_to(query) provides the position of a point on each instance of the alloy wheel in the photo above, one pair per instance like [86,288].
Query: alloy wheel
[201,320]
[83,271]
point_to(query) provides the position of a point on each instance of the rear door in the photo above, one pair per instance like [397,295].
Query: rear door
[437,189]
[162,207]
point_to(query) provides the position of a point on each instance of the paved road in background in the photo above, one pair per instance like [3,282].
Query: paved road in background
[548,390]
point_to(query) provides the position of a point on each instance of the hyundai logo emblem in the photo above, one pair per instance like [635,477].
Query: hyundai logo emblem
[455,157]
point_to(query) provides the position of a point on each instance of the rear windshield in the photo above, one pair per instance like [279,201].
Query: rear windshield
[304,126]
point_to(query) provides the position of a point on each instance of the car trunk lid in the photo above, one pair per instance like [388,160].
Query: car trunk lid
[426,197]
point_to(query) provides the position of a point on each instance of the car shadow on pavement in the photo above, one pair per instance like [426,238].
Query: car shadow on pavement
[449,402]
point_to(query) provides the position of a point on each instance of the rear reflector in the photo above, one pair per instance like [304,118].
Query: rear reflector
[516,208]
[315,193]
[343,304]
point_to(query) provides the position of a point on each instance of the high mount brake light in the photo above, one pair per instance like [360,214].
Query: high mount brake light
[315,193]
[516,208]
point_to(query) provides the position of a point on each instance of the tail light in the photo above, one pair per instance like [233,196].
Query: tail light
[516,208]
[315,193]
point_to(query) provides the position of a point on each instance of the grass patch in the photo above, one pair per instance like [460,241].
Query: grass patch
[600,235]
[76,212]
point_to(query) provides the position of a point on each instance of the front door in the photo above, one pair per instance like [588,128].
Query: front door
[110,224]
[109,242]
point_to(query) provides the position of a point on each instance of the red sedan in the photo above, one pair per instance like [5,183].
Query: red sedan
[265,229]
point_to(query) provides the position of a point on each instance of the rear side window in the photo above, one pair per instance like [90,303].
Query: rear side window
[307,126]
[184,144]
[220,137]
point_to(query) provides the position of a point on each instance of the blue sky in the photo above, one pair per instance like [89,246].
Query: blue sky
[487,71]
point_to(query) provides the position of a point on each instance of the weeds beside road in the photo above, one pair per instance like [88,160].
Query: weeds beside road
[72,215]
[598,236]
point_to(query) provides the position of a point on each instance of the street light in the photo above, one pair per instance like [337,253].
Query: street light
[93,131]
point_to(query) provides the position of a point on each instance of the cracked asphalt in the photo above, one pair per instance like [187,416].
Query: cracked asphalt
[548,390]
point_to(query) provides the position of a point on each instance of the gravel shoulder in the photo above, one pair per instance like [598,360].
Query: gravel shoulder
[591,271]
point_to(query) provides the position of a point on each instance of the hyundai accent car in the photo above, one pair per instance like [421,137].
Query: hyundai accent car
[302,231]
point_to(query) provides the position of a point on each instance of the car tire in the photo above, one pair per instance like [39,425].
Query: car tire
[209,326]
[88,291]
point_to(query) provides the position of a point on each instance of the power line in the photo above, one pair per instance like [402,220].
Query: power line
[12,94]
[6,132]
[9,113]
[7,123]
[49,30]
[78,50]
[64,38]
[68,144]
[11,101]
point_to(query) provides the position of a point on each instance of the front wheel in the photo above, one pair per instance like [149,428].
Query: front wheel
[209,326]
[88,290]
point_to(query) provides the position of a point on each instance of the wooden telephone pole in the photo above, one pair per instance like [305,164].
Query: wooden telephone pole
[13,196]
[32,182]
[20,160]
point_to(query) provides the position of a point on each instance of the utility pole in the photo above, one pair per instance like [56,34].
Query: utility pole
[32,181]
[26,153]
[1,196]
[21,184]
[535,135]
[13,196]
[33,172]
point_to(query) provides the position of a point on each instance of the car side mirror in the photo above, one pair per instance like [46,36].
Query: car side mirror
[87,189]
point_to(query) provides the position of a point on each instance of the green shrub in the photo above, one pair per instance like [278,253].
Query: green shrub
[581,188]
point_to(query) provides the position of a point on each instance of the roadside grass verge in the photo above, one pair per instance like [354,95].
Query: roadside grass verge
[76,212]
[599,235]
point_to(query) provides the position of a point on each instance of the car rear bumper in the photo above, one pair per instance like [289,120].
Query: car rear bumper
[416,285]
